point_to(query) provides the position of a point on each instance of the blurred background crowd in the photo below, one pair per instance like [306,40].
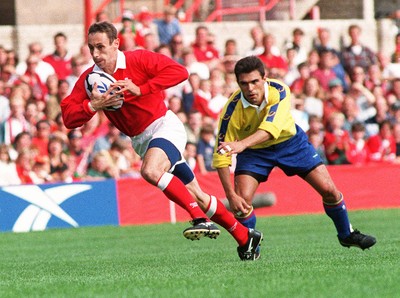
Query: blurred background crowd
[346,99]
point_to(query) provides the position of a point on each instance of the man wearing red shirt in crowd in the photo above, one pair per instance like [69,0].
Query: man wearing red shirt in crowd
[60,59]
[382,146]
[202,49]
[272,61]
[324,73]
[157,134]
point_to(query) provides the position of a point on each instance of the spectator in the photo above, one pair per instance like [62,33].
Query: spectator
[177,48]
[150,42]
[383,145]
[24,165]
[382,110]
[317,141]
[315,125]
[396,135]
[230,48]
[395,57]
[102,167]
[314,97]
[102,16]
[21,142]
[32,78]
[323,41]
[205,149]
[324,73]
[257,48]
[304,73]
[193,126]
[59,169]
[53,103]
[313,60]
[202,98]
[358,153]
[8,173]
[194,66]
[125,159]
[334,99]
[143,26]
[16,122]
[293,72]
[127,33]
[356,54]
[4,103]
[375,78]
[394,112]
[168,26]
[336,140]
[270,60]
[394,92]
[299,115]
[391,69]
[42,136]
[351,112]
[79,155]
[218,99]
[61,58]
[104,142]
[77,64]
[190,156]
[202,50]
[297,44]
[365,101]
[43,69]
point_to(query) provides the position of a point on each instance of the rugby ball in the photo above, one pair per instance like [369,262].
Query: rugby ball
[103,81]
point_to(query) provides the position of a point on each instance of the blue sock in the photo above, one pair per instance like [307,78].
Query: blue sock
[338,213]
[249,221]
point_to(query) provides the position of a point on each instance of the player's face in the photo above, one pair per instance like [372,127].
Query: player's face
[103,52]
[252,86]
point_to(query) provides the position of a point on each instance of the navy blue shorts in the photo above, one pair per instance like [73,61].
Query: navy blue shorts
[295,156]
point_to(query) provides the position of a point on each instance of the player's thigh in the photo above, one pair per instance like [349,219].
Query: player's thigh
[320,179]
[155,163]
[246,186]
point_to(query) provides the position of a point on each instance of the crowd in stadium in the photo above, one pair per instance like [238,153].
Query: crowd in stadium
[347,100]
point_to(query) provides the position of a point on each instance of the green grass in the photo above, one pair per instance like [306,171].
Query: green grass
[301,257]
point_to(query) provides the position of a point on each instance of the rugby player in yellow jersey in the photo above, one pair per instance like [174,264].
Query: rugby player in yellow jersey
[256,124]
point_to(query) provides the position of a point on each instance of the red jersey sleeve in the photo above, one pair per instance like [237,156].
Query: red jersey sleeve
[74,108]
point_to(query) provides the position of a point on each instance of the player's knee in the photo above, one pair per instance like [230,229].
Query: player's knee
[151,175]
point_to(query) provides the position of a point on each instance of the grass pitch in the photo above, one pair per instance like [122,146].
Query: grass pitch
[301,257]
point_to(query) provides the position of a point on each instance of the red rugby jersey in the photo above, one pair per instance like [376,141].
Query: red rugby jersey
[152,72]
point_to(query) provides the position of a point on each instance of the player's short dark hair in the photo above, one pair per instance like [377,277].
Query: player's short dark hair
[104,27]
[249,64]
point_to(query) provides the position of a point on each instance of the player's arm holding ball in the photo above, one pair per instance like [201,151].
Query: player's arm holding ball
[100,101]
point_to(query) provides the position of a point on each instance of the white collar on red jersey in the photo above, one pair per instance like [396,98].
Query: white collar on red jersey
[121,62]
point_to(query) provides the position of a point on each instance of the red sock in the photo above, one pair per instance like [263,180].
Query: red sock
[176,191]
[217,212]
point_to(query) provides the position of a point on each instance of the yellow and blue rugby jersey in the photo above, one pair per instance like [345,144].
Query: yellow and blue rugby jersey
[239,119]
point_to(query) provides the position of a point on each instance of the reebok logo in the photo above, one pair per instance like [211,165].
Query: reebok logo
[43,205]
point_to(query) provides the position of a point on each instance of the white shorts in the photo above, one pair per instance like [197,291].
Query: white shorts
[169,127]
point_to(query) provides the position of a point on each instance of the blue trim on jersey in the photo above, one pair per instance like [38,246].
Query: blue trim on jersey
[295,156]
[183,172]
[281,89]
[172,152]
[282,95]
[227,117]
